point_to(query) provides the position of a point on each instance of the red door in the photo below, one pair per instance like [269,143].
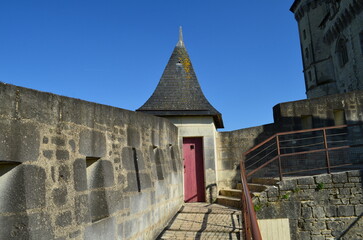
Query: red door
[194,190]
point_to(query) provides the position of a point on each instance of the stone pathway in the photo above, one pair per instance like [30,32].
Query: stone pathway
[204,221]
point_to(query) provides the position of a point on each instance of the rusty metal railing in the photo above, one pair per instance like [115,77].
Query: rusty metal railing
[249,219]
[294,153]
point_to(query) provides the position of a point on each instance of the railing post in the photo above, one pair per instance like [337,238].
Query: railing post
[279,157]
[326,151]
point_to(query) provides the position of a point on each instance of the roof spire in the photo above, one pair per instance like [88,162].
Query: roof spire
[180,42]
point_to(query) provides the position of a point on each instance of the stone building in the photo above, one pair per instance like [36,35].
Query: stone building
[179,98]
[331,37]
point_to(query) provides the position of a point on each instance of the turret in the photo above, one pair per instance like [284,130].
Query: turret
[331,45]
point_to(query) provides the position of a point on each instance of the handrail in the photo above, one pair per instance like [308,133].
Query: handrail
[297,131]
[250,225]
[276,140]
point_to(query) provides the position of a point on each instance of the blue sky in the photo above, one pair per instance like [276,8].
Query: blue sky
[246,54]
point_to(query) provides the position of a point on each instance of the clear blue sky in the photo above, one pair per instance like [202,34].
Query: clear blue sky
[246,54]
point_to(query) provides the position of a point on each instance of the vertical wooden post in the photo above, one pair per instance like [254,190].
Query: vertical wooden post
[326,152]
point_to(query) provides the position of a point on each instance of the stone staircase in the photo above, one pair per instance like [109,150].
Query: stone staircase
[232,197]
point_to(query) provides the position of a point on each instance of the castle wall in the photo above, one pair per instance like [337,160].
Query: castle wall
[289,116]
[328,206]
[71,169]
[230,147]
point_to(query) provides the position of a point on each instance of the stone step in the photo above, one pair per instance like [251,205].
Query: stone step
[256,187]
[229,201]
[200,235]
[265,181]
[236,193]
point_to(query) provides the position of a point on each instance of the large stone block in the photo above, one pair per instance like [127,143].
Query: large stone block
[132,182]
[23,187]
[99,205]
[133,137]
[100,174]
[92,143]
[19,141]
[80,175]
[101,230]
[32,227]
[82,209]
[339,177]
[128,159]
[345,211]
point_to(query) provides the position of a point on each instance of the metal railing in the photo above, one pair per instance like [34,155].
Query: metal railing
[304,151]
[249,219]
[296,153]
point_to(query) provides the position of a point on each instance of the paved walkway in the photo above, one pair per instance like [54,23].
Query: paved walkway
[204,221]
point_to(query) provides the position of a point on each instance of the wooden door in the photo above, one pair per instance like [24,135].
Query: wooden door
[194,190]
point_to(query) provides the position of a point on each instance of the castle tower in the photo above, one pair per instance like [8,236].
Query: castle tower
[179,98]
[331,38]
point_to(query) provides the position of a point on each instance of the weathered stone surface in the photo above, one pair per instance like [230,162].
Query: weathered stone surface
[19,141]
[339,178]
[59,196]
[99,205]
[92,144]
[133,137]
[56,198]
[75,234]
[14,227]
[325,212]
[345,211]
[82,209]
[323,179]
[48,154]
[72,143]
[58,141]
[305,181]
[62,155]
[64,173]
[79,174]
[100,174]
[128,159]
[64,219]
[145,181]
[132,182]
[102,230]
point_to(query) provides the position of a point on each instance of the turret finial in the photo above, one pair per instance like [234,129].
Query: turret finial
[180,42]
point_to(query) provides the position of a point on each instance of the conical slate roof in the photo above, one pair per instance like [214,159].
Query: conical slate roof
[178,92]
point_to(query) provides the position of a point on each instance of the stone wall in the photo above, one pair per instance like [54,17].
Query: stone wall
[328,206]
[230,147]
[331,45]
[71,169]
[288,117]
